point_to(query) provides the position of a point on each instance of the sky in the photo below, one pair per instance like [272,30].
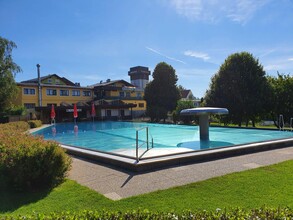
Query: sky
[88,41]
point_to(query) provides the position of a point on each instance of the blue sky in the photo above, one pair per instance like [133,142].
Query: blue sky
[91,40]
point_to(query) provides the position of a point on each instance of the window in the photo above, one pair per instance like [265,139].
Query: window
[29,105]
[138,94]
[64,92]
[51,92]
[141,105]
[109,113]
[75,93]
[28,91]
[127,94]
[86,93]
[121,94]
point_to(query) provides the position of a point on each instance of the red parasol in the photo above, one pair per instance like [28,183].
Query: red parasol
[53,112]
[93,110]
[75,115]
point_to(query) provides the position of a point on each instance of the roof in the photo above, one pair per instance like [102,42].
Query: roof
[53,86]
[108,83]
[185,93]
[63,79]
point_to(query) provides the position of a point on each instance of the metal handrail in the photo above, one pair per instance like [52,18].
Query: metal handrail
[281,123]
[146,142]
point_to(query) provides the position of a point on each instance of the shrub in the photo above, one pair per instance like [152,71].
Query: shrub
[35,123]
[19,126]
[16,110]
[28,162]
[262,213]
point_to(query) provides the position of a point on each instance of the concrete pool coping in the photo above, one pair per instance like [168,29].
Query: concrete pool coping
[163,158]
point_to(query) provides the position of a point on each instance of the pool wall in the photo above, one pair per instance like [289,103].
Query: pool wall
[159,162]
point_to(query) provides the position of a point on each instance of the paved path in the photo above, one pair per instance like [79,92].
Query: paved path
[117,184]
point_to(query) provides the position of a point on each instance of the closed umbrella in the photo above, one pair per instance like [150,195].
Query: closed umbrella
[53,114]
[75,115]
[93,111]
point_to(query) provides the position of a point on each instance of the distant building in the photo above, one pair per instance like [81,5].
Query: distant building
[186,95]
[122,91]
[139,76]
[115,99]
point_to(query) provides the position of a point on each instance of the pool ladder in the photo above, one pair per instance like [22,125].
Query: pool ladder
[282,124]
[145,142]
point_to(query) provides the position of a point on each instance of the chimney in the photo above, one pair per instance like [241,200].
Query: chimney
[39,85]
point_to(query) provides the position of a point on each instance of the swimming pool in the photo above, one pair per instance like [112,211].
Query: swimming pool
[120,137]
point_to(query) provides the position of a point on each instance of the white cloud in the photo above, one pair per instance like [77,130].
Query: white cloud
[239,11]
[279,65]
[198,55]
[168,57]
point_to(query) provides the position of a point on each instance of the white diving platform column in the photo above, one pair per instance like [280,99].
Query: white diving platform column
[203,113]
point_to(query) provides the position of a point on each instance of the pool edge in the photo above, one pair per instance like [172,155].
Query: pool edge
[147,164]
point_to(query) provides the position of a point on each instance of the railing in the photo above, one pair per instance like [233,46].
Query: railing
[145,142]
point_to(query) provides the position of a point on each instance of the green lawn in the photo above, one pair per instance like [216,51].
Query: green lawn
[271,186]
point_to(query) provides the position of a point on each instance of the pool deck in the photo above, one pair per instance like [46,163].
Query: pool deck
[116,184]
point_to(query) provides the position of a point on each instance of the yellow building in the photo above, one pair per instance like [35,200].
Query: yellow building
[120,90]
[116,99]
[53,90]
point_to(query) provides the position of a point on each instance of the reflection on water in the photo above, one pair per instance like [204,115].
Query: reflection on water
[201,145]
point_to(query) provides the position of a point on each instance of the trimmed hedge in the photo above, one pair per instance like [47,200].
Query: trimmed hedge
[28,162]
[262,213]
[35,123]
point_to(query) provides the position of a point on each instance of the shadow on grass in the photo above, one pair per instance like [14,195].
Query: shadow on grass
[12,200]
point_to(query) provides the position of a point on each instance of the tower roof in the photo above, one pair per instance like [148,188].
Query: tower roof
[139,70]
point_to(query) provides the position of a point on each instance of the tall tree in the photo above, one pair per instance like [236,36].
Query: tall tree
[8,69]
[281,99]
[162,94]
[241,86]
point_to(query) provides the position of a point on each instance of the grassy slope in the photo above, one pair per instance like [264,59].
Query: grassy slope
[271,186]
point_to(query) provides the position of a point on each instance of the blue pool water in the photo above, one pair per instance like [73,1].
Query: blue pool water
[114,136]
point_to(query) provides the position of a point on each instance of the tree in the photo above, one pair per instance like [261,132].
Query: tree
[8,69]
[241,86]
[180,106]
[161,94]
[281,99]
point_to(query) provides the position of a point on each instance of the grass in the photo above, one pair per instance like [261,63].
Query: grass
[271,186]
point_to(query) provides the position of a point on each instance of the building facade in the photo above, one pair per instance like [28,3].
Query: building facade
[115,99]
[120,90]
[186,95]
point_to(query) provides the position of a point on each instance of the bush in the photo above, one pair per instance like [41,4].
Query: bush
[35,123]
[16,110]
[19,126]
[262,213]
[28,162]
